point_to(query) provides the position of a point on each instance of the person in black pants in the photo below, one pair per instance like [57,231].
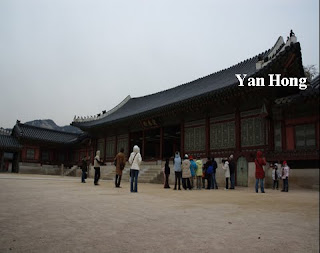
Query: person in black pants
[232,167]
[96,165]
[177,170]
[209,171]
[167,173]
[84,168]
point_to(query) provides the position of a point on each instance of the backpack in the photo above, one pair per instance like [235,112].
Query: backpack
[210,170]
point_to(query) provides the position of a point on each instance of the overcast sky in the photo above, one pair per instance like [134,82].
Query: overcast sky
[60,58]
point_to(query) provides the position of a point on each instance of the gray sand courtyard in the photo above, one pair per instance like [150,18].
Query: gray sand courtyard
[59,214]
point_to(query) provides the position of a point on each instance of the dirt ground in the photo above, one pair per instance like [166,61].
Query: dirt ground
[59,214]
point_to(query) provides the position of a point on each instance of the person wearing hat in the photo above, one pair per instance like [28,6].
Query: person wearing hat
[285,176]
[186,174]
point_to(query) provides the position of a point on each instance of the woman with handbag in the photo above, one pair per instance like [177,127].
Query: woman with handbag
[135,161]
[119,162]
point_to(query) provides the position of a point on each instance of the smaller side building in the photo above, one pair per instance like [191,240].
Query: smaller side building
[10,150]
[38,148]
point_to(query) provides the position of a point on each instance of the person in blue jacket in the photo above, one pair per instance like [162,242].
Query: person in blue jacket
[193,169]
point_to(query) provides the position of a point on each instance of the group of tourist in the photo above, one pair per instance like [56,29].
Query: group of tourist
[119,161]
[188,170]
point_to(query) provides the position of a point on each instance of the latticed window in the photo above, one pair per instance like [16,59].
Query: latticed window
[30,154]
[122,142]
[110,147]
[45,156]
[277,136]
[100,146]
[61,157]
[195,134]
[252,132]
[305,136]
[222,135]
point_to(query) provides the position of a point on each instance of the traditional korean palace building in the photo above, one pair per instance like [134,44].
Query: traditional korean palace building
[214,116]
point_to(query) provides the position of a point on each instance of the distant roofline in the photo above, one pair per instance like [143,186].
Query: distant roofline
[43,128]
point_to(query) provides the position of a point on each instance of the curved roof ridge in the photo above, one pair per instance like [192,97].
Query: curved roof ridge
[214,73]
[104,113]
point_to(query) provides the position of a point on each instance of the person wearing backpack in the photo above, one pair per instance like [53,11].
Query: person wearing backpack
[214,184]
[193,168]
[209,170]
[119,162]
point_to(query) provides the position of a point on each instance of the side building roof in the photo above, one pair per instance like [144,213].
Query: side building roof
[24,131]
[8,142]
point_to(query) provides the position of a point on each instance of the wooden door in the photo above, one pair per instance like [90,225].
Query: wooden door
[242,172]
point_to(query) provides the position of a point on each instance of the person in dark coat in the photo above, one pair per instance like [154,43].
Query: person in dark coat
[119,161]
[167,173]
[84,168]
[214,184]
[209,170]
[232,167]
[259,162]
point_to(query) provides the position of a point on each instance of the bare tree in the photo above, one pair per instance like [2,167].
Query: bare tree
[310,71]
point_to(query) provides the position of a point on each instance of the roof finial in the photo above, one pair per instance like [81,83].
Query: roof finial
[291,33]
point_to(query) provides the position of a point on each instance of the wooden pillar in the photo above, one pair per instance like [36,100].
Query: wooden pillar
[182,138]
[283,135]
[143,143]
[161,143]
[238,130]
[129,145]
[116,146]
[207,136]
[105,149]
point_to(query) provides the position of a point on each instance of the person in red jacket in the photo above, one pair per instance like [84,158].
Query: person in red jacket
[260,161]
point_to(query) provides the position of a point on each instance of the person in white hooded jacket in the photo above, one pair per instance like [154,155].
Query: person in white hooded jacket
[225,167]
[135,161]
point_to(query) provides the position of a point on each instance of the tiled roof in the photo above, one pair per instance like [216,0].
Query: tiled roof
[9,142]
[196,88]
[206,86]
[24,131]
